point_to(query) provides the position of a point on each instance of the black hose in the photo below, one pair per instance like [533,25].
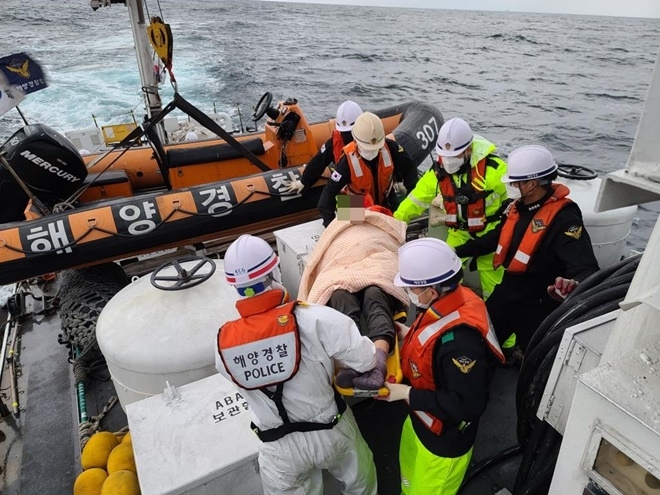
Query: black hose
[596,278]
[554,334]
[597,295]
[553,317]
[489,462]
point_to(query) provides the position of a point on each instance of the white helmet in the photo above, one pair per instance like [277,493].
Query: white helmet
[248,262]
[347,114]
[191,136]
[454,137]
[529,162]
[368,132]
[426,261]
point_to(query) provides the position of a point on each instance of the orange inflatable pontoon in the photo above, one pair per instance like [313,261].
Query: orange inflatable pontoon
[148,198]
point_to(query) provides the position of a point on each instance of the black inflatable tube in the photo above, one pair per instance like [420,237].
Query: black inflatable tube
[418,130]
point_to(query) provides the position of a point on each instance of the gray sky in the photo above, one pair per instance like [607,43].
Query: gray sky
[622,8]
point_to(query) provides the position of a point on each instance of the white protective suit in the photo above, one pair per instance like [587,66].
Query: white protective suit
[292,464]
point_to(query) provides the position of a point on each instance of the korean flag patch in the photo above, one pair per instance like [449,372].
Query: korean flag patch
[336,176]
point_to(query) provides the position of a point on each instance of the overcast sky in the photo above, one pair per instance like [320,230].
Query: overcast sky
[625,8]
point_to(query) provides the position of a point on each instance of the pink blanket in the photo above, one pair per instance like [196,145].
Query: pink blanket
[352,256]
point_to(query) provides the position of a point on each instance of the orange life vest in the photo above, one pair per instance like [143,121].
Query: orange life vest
[472,195]
[262,349]
[535,230]
[337,145]
[362,180]
[460,307]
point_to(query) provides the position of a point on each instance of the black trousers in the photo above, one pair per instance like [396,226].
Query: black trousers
[377,307]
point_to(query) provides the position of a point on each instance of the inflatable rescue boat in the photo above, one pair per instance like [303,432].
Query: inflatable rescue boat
[60,211]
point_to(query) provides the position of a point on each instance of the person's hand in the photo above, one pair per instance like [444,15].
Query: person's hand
[402,330]
[294,187]
[562,288]
[397,392]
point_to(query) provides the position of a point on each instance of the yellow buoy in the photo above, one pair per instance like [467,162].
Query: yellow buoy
[121,483]
[127,438]
[98,448]
[121,458]
[89,482]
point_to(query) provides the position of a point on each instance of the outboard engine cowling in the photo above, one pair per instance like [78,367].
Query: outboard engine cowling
[46,161]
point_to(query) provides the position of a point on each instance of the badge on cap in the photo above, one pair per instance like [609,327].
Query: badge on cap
[374,140]
[447,146]
[343,122]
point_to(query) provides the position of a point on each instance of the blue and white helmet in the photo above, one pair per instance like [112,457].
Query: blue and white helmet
[529,162]
[249,263]
[426,261]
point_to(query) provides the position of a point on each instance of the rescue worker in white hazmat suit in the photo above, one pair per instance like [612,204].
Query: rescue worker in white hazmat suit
[280,353]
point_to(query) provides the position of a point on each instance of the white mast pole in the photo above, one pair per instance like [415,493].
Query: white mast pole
[152,99]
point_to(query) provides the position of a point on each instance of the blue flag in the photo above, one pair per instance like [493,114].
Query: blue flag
[23,73]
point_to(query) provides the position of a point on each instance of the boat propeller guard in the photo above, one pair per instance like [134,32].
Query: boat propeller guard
[185,277]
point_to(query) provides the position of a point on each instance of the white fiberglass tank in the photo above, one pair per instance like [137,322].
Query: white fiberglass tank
[150,335]
[608,230]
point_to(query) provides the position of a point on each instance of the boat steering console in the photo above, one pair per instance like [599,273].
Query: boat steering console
[284,119]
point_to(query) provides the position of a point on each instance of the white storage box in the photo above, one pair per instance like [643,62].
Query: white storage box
[293,247]
[580,351]
[197,443]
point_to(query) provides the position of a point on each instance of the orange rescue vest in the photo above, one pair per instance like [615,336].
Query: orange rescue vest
[337,145]
[362,180]
[472,195]
[262,349]
[535,230]
[460,307]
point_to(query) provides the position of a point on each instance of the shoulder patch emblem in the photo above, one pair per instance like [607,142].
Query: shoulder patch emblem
[464,364]
[323,148]
[537,225]
[282,320]
[574,231]
[415,369]
[401,150]
[336,176]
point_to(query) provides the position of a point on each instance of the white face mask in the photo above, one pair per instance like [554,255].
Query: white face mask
[368,154]
[452,164]
[414,299]
[512,192]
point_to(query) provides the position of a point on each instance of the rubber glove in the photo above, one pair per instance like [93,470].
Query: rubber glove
[397,392]
[294,187]
[562,288]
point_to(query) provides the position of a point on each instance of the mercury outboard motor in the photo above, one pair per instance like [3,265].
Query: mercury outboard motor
[48,164]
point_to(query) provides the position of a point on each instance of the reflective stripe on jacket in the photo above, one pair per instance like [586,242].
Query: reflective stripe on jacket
[460,307]
[420,198]
[471,197]
[362,180]
[534,233]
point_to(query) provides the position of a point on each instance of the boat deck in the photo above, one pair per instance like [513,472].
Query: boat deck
[40,448]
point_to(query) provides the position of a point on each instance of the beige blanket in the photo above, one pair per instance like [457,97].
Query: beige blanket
[352,256]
